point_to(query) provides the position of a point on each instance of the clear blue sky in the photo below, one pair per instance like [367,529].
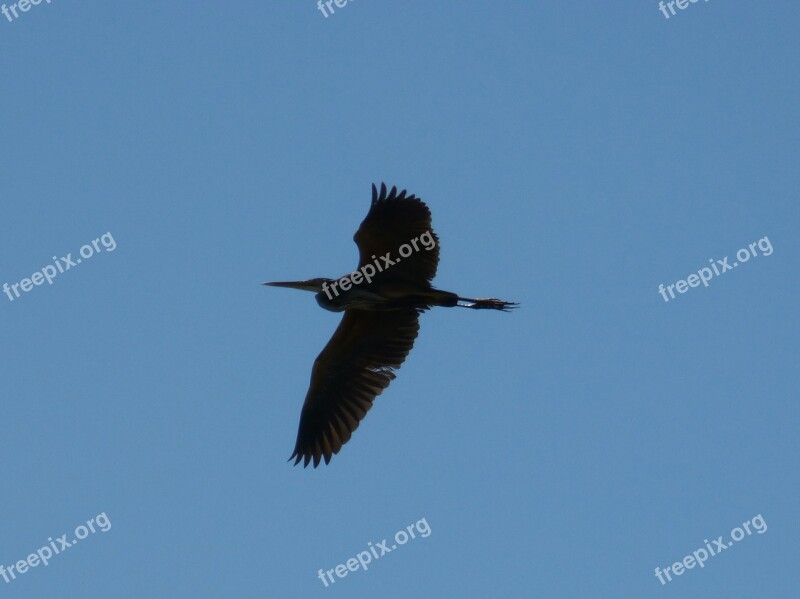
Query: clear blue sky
[575,156]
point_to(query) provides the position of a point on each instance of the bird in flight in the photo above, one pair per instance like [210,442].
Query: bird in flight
[381,300]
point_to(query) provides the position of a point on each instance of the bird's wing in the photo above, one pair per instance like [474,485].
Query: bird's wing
[356,366]
[395,219]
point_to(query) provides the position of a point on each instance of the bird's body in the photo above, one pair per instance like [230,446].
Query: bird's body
[381,301]
[382,296]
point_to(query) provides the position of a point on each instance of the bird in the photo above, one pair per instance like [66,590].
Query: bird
[382,301]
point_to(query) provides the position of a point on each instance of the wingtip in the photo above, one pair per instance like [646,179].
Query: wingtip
[388,194]
[299,456]
[310,458]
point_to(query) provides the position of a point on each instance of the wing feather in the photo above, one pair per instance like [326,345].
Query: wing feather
[393,220]
[355,366]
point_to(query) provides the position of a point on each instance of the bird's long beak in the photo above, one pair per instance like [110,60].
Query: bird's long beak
[292,285]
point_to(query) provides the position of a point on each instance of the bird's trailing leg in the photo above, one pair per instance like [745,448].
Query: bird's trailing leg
[482,303]
[437,297]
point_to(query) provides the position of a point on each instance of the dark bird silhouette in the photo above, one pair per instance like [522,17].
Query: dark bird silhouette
[381,301]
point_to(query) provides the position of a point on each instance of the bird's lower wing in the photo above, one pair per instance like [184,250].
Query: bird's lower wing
[355,367]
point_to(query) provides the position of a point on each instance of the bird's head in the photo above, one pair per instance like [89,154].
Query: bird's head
[314,285]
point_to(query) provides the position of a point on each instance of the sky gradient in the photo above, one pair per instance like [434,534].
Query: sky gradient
[574,157]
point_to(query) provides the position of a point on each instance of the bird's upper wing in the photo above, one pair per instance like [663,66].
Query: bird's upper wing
[395,219]
[355,366]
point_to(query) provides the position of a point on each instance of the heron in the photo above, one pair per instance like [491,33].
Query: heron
[382,301]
